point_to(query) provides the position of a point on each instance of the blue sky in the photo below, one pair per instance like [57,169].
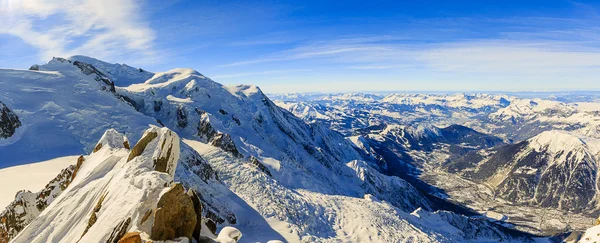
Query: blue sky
[323,46]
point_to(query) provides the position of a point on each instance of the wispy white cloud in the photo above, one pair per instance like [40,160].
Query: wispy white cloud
[237,75]
[517,57]
[341,50]
[108,28]
[542,52]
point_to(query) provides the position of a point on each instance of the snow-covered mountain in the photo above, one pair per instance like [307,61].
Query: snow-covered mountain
[511,117]
[552,169]
[63,108]
[403,150]
[515,118]
[253,164]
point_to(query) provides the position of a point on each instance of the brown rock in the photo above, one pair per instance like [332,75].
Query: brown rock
[119,231]
[98,147]
[161,164]
[175,216]
[146,216]
[131,237]
[141,145]
[126,145]
[94,215]
[80,161]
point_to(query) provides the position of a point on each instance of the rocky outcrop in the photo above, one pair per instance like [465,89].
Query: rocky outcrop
[141,145]
[9,121]
[94,215]
[213,137]
[198,210]
[131,237]
[27,205]
[205,130]
[260,165]
[119,233]
[175,215]
[224,141]
[89,69]
[168,154]
[182,120]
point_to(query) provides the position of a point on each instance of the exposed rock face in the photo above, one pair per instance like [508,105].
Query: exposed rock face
[119,233]
[27,205]
[131,237]
[166,160]
[198,209]
[205,129]
[165,148]
[175,215]
[94,215]
[89,69]
[210,224]
[215,138]
[260,166]
[9,122]
[553,169]
[113,195]
[224,141]
[141,145]
[181,117]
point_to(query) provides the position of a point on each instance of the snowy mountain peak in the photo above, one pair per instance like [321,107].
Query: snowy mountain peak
[120,74]
[421,131]
[555,141]
[112,139]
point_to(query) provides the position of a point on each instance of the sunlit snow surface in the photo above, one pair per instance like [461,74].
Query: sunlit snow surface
[32,177]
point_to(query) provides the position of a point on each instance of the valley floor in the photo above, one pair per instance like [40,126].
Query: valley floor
[535,220]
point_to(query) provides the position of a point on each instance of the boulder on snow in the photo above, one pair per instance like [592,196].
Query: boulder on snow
[174,216]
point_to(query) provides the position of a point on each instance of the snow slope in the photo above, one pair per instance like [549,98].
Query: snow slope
[76,105]
[37,174]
